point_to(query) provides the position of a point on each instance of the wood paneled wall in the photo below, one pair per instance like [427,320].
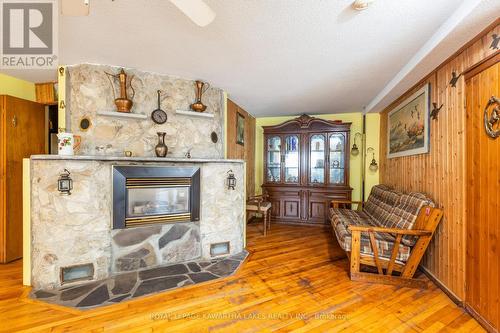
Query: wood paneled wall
[237,151]
[442,172]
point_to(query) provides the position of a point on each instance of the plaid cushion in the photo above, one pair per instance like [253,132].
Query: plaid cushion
[348,217]
[383,241]
[405,213]
[380,203]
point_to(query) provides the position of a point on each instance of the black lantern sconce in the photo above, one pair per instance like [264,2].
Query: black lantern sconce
[65,183]
[355,149]
[373,165]
[231,180]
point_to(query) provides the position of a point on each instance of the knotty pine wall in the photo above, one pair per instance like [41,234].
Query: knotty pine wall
[442,172]
[237,151]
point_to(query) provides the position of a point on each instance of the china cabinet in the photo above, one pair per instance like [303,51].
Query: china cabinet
[306,165]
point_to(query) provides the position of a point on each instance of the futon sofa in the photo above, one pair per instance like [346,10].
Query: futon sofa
[385,231]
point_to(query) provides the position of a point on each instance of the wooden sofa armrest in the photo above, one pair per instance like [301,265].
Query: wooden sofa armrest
[338,203]
[409,232]
[425,225]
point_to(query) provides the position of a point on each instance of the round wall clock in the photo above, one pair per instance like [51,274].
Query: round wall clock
[159,116]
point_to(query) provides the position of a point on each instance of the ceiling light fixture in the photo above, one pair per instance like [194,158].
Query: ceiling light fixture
[197,10]
[361,4]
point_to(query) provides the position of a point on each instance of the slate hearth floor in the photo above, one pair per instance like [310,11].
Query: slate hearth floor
[139,283]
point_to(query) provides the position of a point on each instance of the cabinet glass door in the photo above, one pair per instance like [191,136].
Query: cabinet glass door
[273,172]
[317,159]
[336,161]
[291,159]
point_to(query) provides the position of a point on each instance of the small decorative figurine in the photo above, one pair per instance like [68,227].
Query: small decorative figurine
[435,111]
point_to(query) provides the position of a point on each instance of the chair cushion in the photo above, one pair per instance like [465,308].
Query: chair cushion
[405,213]
[348,217]
[254,206]
[380,203]
[383,241]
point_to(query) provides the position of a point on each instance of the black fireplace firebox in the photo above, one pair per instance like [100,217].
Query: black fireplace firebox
[147,195]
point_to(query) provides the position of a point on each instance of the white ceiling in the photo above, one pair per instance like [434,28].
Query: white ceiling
[279,57]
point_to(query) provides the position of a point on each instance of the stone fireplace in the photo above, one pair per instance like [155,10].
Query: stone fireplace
[74,238]
[148,195]
[130,214]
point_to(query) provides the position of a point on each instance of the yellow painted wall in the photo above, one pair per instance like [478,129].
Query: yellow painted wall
[372,140]
[26,222]
[355,179]
[16,87]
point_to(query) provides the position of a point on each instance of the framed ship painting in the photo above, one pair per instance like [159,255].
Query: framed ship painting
[408,126]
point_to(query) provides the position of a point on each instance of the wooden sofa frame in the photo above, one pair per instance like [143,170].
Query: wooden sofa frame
[424,228]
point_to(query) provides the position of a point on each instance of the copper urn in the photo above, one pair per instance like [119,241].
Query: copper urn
[123,103]
[201,88]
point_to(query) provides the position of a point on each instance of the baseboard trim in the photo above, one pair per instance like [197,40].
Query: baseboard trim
[457,300]
[483,322]
[486,324]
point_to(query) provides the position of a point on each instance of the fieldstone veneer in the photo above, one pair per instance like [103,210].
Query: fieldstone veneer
[138,248]
[89,91]
[125,286]
[77,229]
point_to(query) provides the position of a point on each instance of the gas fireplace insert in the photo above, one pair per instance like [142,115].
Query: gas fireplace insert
[147,195]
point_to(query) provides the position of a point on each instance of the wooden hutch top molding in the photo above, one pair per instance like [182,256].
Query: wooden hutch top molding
[308,123]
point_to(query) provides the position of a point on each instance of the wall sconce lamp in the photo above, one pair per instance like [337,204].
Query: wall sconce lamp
[65,183]
[373,165]
[355,149]
[231,180]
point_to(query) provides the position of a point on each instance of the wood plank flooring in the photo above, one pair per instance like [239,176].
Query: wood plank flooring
[295,280]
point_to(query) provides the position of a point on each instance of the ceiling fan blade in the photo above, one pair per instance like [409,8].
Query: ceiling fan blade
[197,10]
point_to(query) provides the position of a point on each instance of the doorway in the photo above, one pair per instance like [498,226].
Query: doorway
[483,190]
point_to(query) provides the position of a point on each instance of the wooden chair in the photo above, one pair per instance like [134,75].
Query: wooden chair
[424,228]
[260,204]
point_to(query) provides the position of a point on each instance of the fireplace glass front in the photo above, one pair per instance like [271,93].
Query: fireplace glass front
[157,201]
[145,195]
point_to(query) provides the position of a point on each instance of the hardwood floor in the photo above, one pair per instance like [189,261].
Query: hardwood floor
[295,280]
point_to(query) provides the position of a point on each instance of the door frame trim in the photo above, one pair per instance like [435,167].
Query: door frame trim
[482,65]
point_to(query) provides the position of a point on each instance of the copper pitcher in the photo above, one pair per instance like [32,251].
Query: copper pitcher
[201,88]
[123,103]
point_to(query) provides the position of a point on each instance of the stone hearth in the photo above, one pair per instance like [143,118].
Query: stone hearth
[126,286]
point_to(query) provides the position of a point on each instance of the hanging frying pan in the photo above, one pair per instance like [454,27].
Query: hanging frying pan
[159,116]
